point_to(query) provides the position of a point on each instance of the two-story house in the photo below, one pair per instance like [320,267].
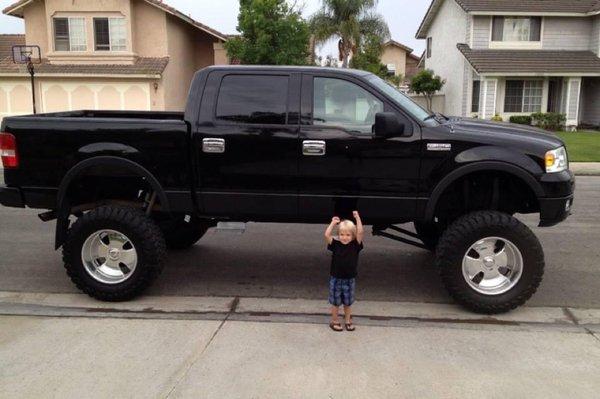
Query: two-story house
[109,54]
[510,57]
[400,59]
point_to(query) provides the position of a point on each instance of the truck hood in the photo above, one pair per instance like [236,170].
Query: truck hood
[511,134]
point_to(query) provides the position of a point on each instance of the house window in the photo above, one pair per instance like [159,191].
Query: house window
[516,29]
[523,96]
[475,96]
[69,34]
[429,42]
[110,34]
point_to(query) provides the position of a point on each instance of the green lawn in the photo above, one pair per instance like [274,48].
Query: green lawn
[583,146]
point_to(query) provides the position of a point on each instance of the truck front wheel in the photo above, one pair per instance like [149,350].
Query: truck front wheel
[114,253]
[490,262]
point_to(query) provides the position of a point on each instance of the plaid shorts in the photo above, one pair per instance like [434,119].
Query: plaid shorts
[341,291]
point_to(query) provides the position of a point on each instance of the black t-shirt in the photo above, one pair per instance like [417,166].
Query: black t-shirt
[344,260]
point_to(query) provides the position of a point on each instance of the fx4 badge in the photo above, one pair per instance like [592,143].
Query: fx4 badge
[439,147]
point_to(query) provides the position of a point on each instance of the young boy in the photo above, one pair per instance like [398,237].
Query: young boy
[344,262]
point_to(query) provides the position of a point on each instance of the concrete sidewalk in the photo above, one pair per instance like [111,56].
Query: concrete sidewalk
[585,168]
[68,345]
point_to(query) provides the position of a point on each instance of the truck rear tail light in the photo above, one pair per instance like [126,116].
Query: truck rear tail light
[8,151]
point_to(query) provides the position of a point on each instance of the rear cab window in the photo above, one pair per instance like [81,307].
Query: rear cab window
[253,99]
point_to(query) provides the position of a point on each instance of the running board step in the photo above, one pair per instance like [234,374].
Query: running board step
[231,227]
[380,231]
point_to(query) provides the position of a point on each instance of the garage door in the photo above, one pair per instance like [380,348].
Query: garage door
[70,96]
[15,98]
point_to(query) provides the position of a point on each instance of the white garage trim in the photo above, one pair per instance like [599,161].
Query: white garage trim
[96,88]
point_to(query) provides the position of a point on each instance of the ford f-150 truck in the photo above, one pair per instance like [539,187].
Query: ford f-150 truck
[290,145]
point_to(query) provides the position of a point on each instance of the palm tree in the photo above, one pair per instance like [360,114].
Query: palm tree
[350,21]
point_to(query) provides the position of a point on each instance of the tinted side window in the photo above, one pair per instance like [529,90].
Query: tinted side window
[337,102]
[258,99]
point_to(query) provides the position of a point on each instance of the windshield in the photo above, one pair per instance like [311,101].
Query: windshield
[401,99]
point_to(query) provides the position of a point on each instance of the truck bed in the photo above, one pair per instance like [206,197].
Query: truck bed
[49,145]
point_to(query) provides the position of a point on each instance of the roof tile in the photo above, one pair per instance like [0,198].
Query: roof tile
[531,61]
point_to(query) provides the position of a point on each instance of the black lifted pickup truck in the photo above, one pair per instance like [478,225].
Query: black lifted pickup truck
[290,145]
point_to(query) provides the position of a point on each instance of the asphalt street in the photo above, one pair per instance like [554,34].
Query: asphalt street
[290,261]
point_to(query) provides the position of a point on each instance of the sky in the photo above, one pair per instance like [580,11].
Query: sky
[403,17]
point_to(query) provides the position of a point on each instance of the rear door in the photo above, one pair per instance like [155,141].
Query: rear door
[342,166]
[246,142]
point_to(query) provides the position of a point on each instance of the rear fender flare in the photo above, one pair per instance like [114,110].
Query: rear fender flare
[63,206]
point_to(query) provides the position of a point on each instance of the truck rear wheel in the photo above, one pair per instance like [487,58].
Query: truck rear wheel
[490,262]
[182,232]
[114,253]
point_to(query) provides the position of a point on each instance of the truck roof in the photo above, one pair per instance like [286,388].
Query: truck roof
[286,68]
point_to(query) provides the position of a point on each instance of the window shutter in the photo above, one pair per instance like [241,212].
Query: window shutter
[498,29]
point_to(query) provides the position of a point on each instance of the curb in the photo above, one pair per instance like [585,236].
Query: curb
[163,306]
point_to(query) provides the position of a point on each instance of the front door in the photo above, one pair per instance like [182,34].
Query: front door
[342,167]
[245,145]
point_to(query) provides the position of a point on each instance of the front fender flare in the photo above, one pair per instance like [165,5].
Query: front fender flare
[456,174]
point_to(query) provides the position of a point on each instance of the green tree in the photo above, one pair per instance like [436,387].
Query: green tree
[427,84]
[368,58]
[351,21]
[272,33]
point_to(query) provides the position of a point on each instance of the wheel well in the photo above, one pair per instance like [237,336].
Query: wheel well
[102,180]
[486,190]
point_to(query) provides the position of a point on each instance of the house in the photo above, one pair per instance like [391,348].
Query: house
[110,54]
[516,57]
[400,59]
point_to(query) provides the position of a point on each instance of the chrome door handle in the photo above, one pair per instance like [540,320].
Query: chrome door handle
[313,147]
[214,146]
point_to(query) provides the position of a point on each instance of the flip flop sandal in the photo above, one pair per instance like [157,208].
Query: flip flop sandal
[337,327]
[350,326]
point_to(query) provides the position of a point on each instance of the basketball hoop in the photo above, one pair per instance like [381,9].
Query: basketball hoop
[28,55]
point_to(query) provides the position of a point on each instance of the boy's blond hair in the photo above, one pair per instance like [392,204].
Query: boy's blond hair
[348,225]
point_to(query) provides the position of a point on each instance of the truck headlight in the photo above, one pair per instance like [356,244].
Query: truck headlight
[556,160]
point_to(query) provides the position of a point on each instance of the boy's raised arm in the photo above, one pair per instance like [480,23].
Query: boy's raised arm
[360,231]
[334,221]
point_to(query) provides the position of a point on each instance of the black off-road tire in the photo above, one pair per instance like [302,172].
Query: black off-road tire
[142,232]
[181,234]
[429,234]
[469,229]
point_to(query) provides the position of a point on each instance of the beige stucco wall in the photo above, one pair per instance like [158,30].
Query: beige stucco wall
[149,25]
[36,33]
[395,55]
[189,50]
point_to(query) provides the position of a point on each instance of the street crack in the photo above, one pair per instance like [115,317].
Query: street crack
[232,309]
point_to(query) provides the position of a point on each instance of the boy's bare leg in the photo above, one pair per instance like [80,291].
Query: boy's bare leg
[348,314]
[334,314]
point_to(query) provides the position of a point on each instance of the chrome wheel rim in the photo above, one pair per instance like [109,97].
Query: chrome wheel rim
[492,266]
[109,256]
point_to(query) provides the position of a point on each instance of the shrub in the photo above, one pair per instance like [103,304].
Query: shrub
[497,118]
[521,119]
[549,121]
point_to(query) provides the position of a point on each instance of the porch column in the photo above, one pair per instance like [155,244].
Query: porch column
[572,104]
[487,98]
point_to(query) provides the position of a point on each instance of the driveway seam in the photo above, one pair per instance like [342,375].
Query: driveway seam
[232,309]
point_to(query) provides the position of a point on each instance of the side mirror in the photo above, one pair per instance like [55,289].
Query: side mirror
[387,125]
